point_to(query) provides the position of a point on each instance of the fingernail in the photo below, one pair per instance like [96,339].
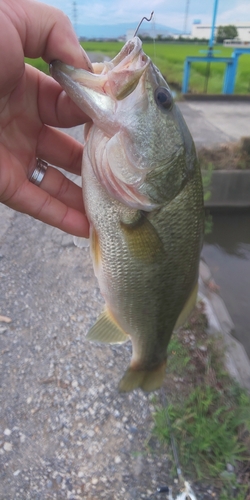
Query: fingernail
[86,60]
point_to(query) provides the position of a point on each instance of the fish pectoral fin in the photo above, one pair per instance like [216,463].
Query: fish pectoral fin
[86,128]
[187,309]
[105,330]
[147,380]
[142,239]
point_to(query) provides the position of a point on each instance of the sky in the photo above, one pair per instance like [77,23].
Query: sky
[170,13]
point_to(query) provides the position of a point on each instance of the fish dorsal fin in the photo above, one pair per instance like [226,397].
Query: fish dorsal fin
[105,330]
[187,309]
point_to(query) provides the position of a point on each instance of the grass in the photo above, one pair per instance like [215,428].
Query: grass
[178,357]
[170,60]
[170,57]
[206,426]
[39,64]
[208,411]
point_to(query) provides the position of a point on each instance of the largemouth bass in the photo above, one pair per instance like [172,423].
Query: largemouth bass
[143,195]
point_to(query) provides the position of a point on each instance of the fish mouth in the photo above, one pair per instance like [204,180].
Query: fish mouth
[97,93]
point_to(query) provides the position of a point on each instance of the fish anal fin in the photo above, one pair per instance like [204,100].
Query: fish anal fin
[95,247]
[187,309]
[147,380]
[142,239]
[107,331]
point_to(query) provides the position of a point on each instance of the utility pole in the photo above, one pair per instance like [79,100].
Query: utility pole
[186,18]
[75,17]
[211,41]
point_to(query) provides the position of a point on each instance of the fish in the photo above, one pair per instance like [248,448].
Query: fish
[143,196]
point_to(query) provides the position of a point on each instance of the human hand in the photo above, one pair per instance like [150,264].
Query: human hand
[31,105]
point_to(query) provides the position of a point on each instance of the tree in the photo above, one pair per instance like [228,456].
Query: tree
[226,32]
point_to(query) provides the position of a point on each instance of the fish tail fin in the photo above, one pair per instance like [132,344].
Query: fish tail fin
[147,380]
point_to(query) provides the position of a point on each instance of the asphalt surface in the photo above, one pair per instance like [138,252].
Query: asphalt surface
[65,432]
[214,123]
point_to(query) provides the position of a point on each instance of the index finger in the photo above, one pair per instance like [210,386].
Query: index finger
[47,32]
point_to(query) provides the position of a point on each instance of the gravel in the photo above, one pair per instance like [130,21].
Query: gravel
[65,431]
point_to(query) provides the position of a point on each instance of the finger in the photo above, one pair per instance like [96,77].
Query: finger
[55,107]
[44,207]
[60,149]
[63,189]
[47,32]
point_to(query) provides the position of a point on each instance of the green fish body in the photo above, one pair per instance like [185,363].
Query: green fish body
[143,195]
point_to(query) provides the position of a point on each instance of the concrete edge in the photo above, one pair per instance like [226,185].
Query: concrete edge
[229,189]
[220,323]
[216,97]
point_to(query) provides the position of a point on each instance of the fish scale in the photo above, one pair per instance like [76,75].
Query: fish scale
[143,196]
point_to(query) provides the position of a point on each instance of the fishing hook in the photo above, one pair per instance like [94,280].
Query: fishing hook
[146,19]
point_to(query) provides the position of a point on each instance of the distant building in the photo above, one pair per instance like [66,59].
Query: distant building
[200,30]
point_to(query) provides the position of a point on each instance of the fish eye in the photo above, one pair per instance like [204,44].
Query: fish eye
[163,98]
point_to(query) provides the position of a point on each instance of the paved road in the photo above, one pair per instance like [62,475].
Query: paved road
[65,433]
[213,123]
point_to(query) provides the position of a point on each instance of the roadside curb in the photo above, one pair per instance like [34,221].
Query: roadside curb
[220,323]
[229,190]
[216,97]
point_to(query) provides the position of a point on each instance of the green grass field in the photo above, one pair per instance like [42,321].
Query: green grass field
[170,57]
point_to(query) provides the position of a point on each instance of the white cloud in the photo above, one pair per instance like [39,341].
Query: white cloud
[239,13]
[168,12]
[115,12]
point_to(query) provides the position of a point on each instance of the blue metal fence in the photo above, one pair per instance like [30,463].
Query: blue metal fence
[230,72]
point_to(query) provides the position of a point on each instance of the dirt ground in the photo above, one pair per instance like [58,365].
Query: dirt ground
[228,156]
